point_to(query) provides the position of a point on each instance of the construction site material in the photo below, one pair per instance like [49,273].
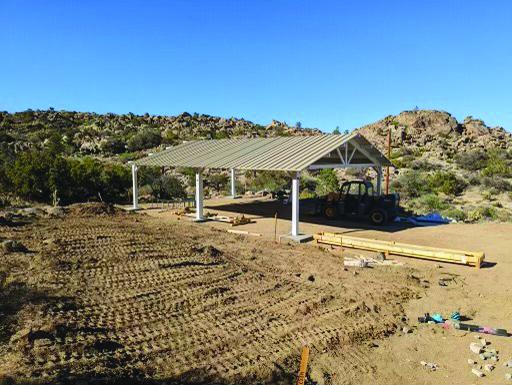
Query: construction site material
[244,232]
[407,250]
[304,357]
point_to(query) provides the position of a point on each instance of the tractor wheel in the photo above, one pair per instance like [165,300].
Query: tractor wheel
[330,212]
[378,217]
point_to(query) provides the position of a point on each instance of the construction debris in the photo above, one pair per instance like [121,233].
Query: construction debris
[475,348]
[429,365]
[407,250]
[244,232]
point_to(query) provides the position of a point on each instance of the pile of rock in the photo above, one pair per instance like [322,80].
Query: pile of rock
[485,353]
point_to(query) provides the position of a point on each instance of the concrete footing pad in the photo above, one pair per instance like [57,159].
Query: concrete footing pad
[301,238]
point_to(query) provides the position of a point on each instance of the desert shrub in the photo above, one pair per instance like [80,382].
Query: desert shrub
[113,146]
[482,212]
[218,181]
[168,187]
[356,172]
[142,140]
[327,182]
[115,182]
[498,183]
[29,174]
[306,194]
[474,179]
[424,165]
[44,176]
[272,181]
[446,182]
[128,157]
[429,203]
[411,184]
[471,160]
[189,173]
[497,165]
[454,213]
[404,162]
[308,181]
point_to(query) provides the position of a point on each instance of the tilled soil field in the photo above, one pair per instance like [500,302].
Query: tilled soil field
[105,298]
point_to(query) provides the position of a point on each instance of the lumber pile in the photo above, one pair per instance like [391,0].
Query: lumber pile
[470,258]
[233,221]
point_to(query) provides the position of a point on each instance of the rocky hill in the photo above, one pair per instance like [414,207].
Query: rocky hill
[437,132]
[462,169]
[105,134]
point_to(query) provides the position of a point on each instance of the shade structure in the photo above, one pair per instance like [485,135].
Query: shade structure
[290,154]
[277,154]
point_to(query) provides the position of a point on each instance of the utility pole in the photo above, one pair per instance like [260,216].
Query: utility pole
[389,156]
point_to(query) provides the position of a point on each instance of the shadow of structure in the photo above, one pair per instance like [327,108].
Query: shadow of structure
[268,208]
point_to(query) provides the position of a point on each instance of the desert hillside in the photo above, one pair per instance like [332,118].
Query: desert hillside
[461,169]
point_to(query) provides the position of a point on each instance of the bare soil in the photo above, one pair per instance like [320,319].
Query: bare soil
[107,296]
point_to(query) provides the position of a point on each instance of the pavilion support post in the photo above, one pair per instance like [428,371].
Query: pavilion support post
[295,205]
[379,180]
[233,185]
[199,195]
[135,188]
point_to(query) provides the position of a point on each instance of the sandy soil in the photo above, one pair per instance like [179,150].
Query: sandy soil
[150,298]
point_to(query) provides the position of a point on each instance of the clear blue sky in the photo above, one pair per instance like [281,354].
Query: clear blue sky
[323,63]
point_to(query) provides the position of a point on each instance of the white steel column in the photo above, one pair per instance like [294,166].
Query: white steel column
[295,205]
[135,187]
[233,187]
[379,180]
[199,195]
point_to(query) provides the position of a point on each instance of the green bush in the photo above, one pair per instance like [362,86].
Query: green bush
[454,213]
[411,184]
[446,182]
[145,139]
[498,183]
[219,181]
[46,177]
[272,181]
[429,203]
[424,165]
[471,160]
[168,187]
[327,182]
[113,146]
[497,165]
[483,212]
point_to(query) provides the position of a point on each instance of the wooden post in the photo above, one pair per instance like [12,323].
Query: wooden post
[304,357]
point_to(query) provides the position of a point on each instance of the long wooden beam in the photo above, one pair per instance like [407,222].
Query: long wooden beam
[471,258]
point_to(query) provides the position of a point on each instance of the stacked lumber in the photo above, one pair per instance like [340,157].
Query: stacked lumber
[470,258]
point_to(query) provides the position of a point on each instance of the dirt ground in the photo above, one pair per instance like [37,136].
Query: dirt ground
[102,296]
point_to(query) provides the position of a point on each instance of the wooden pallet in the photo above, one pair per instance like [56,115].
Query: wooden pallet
[470,258]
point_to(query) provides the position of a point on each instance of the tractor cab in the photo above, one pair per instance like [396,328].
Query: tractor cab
[358,199]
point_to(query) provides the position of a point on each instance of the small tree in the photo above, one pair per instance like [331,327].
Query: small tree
[327,182]
[168,187]
[336,131]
